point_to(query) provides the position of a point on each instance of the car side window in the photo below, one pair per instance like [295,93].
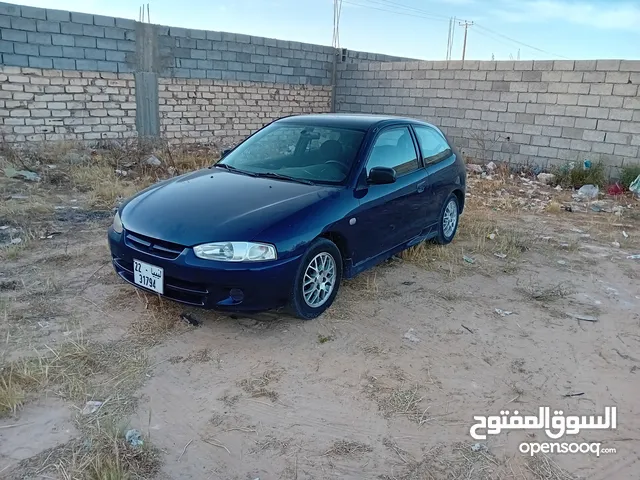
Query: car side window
[394,148]
[433,146]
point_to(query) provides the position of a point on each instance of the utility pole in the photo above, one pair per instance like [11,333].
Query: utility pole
[466,26]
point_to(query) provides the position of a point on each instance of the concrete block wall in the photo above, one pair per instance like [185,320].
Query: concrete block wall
[54,105]
[56,39]
[226,111]
[542,112]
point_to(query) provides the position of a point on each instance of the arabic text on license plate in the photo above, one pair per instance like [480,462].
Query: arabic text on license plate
[148,276]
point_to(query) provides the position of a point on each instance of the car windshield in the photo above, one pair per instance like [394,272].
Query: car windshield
[298,152]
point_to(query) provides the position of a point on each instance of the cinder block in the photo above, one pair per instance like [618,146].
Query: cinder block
[567,99]
[93,31]
[86,64]
[560,142]
[64,63]
[7,47]
[579,88]
[594,77]
[15,60]
[598,112]
[632,102]
[40,62]
[626,151]
[14,35]
[586,123]
[47,26]
[608,65]
[105,43]
[537,87]
[71,28]
[9,9]
[63,40]
[125,23]
[115,56]
[26,49]
[57,15]
[19,23]
[50,51]
[570,132]
[33,12]
[621,114]
[104,21]
[529,150]
[618,77]
[557,87]
[572,77]
[609,125]
[563,64]
[630,66]
[581,145]
[115,33]
[73,52]
[585,65]
[576,111]
[84,18]
[626,90]
[532,76]
[619,138]
[126,46]
[94,54]
[605,148]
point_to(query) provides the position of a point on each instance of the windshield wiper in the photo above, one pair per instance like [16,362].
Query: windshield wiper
[231,168]
[280,176]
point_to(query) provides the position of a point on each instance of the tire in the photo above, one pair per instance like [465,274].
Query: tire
[447,230]
[309,306]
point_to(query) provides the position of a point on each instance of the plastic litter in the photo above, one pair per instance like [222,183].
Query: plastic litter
[411,336]
[468,259]
[503,313]
[501,255]
[589,191]
[635,186]
[633,257]
[11,172]
[134,438]
[90,407]
[153,161]
[615,189]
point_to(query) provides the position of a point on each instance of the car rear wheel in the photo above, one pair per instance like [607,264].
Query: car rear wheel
[448,223]
[317,280]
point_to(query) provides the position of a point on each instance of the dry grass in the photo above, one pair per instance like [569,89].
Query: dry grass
[271,443]
[537,291]
[160,317]
[347,448]
[543,468]
[257,386]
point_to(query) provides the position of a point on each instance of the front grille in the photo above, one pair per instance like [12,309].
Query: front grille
[153,246]
[179,290]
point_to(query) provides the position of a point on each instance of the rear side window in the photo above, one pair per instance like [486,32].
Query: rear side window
[394,148]
[433,146]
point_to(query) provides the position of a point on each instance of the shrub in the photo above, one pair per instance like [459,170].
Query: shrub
[629,174]
[578,176]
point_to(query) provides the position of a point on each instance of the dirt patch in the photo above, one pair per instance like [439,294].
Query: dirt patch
[531,305]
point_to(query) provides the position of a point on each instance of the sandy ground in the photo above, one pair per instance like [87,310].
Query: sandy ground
[384,385]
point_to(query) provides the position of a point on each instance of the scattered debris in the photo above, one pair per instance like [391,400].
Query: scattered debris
[11,172]
[635,186]
[408,283]
[122,173]
[490,166]
[324,338]
[559,188]
[588,191]
[573,394]
[190,319]
[473,168]
[466,328]
[562,262]
[468,259]
[90,407]
[9,285]
[500,255]
[134,438]
[633,257]
[16,241]
[586,318]
[546,178]
[491,236]
[75,158]
[411,336]
[625,234]
[478,447]
[615,189]
[615,244]
[503,313]
[153,161]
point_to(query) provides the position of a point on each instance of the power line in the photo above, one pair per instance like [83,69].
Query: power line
[415,15]
[519,42]
[392,4]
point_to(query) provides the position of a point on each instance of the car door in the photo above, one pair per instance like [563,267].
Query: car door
[387,213]
[437,158]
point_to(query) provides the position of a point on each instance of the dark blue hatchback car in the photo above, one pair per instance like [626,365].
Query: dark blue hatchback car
[287,214]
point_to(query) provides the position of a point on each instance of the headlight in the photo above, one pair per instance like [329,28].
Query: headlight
[117,223]
[236,251]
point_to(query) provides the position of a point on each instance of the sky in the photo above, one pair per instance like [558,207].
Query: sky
[502,29]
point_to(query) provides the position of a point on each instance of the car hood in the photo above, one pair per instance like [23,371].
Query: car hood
[216,205]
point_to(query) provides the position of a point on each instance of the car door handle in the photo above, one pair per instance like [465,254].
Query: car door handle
[421,186]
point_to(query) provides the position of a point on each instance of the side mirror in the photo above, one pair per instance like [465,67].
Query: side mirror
[381,176]
[225,152]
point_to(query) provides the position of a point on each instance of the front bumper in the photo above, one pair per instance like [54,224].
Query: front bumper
[205,283]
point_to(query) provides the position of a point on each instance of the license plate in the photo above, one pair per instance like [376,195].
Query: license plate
[148,276]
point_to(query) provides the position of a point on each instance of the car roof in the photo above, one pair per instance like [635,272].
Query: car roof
[354,121]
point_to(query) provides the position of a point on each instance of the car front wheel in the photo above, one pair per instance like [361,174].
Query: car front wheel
[448,223]
[317,279]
